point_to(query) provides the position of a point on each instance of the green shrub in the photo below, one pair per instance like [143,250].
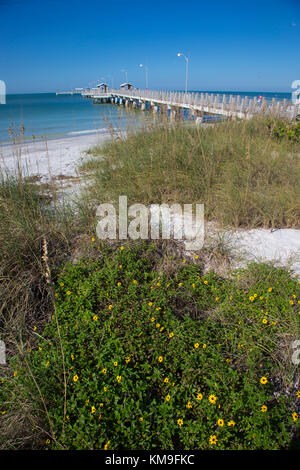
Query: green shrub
[289,131]
[151,361]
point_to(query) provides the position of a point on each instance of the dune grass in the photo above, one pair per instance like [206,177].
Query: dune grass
[245,176]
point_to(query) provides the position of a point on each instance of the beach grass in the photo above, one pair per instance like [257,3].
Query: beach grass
[243,173]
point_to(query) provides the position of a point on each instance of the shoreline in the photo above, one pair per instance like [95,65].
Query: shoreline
[48,158]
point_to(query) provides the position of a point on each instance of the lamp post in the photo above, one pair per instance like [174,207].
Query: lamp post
[186,69]
[147,78]
[126,74]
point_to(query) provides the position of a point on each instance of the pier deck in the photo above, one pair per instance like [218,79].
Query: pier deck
[233,106]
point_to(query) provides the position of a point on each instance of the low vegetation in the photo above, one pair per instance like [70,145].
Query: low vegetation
[180,361]
[244,174]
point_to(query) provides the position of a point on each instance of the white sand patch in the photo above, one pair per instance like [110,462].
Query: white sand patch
[48,158]
[281,246]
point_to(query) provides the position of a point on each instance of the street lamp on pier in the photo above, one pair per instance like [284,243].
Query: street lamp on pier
[126,74]
[147,77]
[186,69]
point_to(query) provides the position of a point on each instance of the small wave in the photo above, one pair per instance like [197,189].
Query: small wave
[91,131]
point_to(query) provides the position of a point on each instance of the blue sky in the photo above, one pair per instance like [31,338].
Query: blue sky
[249,45]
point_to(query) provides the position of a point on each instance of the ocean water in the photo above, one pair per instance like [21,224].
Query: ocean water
[45,114]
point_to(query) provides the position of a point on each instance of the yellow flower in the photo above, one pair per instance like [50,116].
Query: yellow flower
[75,378]
[193,286]
[152,319]
[180,422]
[127,359]
[104,371]
[205,282]
[265,321]
[171,335]
[115,363]
[158,309]
[101,405]
[204,346]
[68,292]
[157,325]
[291,302]
[121,248]
[261,298]
[263,380]
[298,394]
[47,364]
[231,423]
[295,416]
[118,284]
[15,373]
[184,260]
[95,318]
[160,359]
[228,361]
[34,328]
[180,284]
[141,419]
[120,266]
[47,441]
[251,298]
[93,239]
[196,345]
[217,299]
[134,281]
[158,284]
[199,396]
[150,304]
[168,398]
[189,405]
[270,289]
[105,389]
[213,440]
[93,410]
[196,256]
[220,423]
[166,380]
[264,408]
[106,445]
[110,307]
[212,399]
[61,284]
[119,378]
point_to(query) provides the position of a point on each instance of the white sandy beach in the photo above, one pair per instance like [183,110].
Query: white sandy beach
[48,158]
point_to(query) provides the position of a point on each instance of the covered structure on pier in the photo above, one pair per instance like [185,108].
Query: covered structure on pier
[103,87]
[126,86]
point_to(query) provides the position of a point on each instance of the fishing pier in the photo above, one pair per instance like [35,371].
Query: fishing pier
[193,105]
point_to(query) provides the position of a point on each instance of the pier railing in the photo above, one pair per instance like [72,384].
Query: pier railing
[234,105]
